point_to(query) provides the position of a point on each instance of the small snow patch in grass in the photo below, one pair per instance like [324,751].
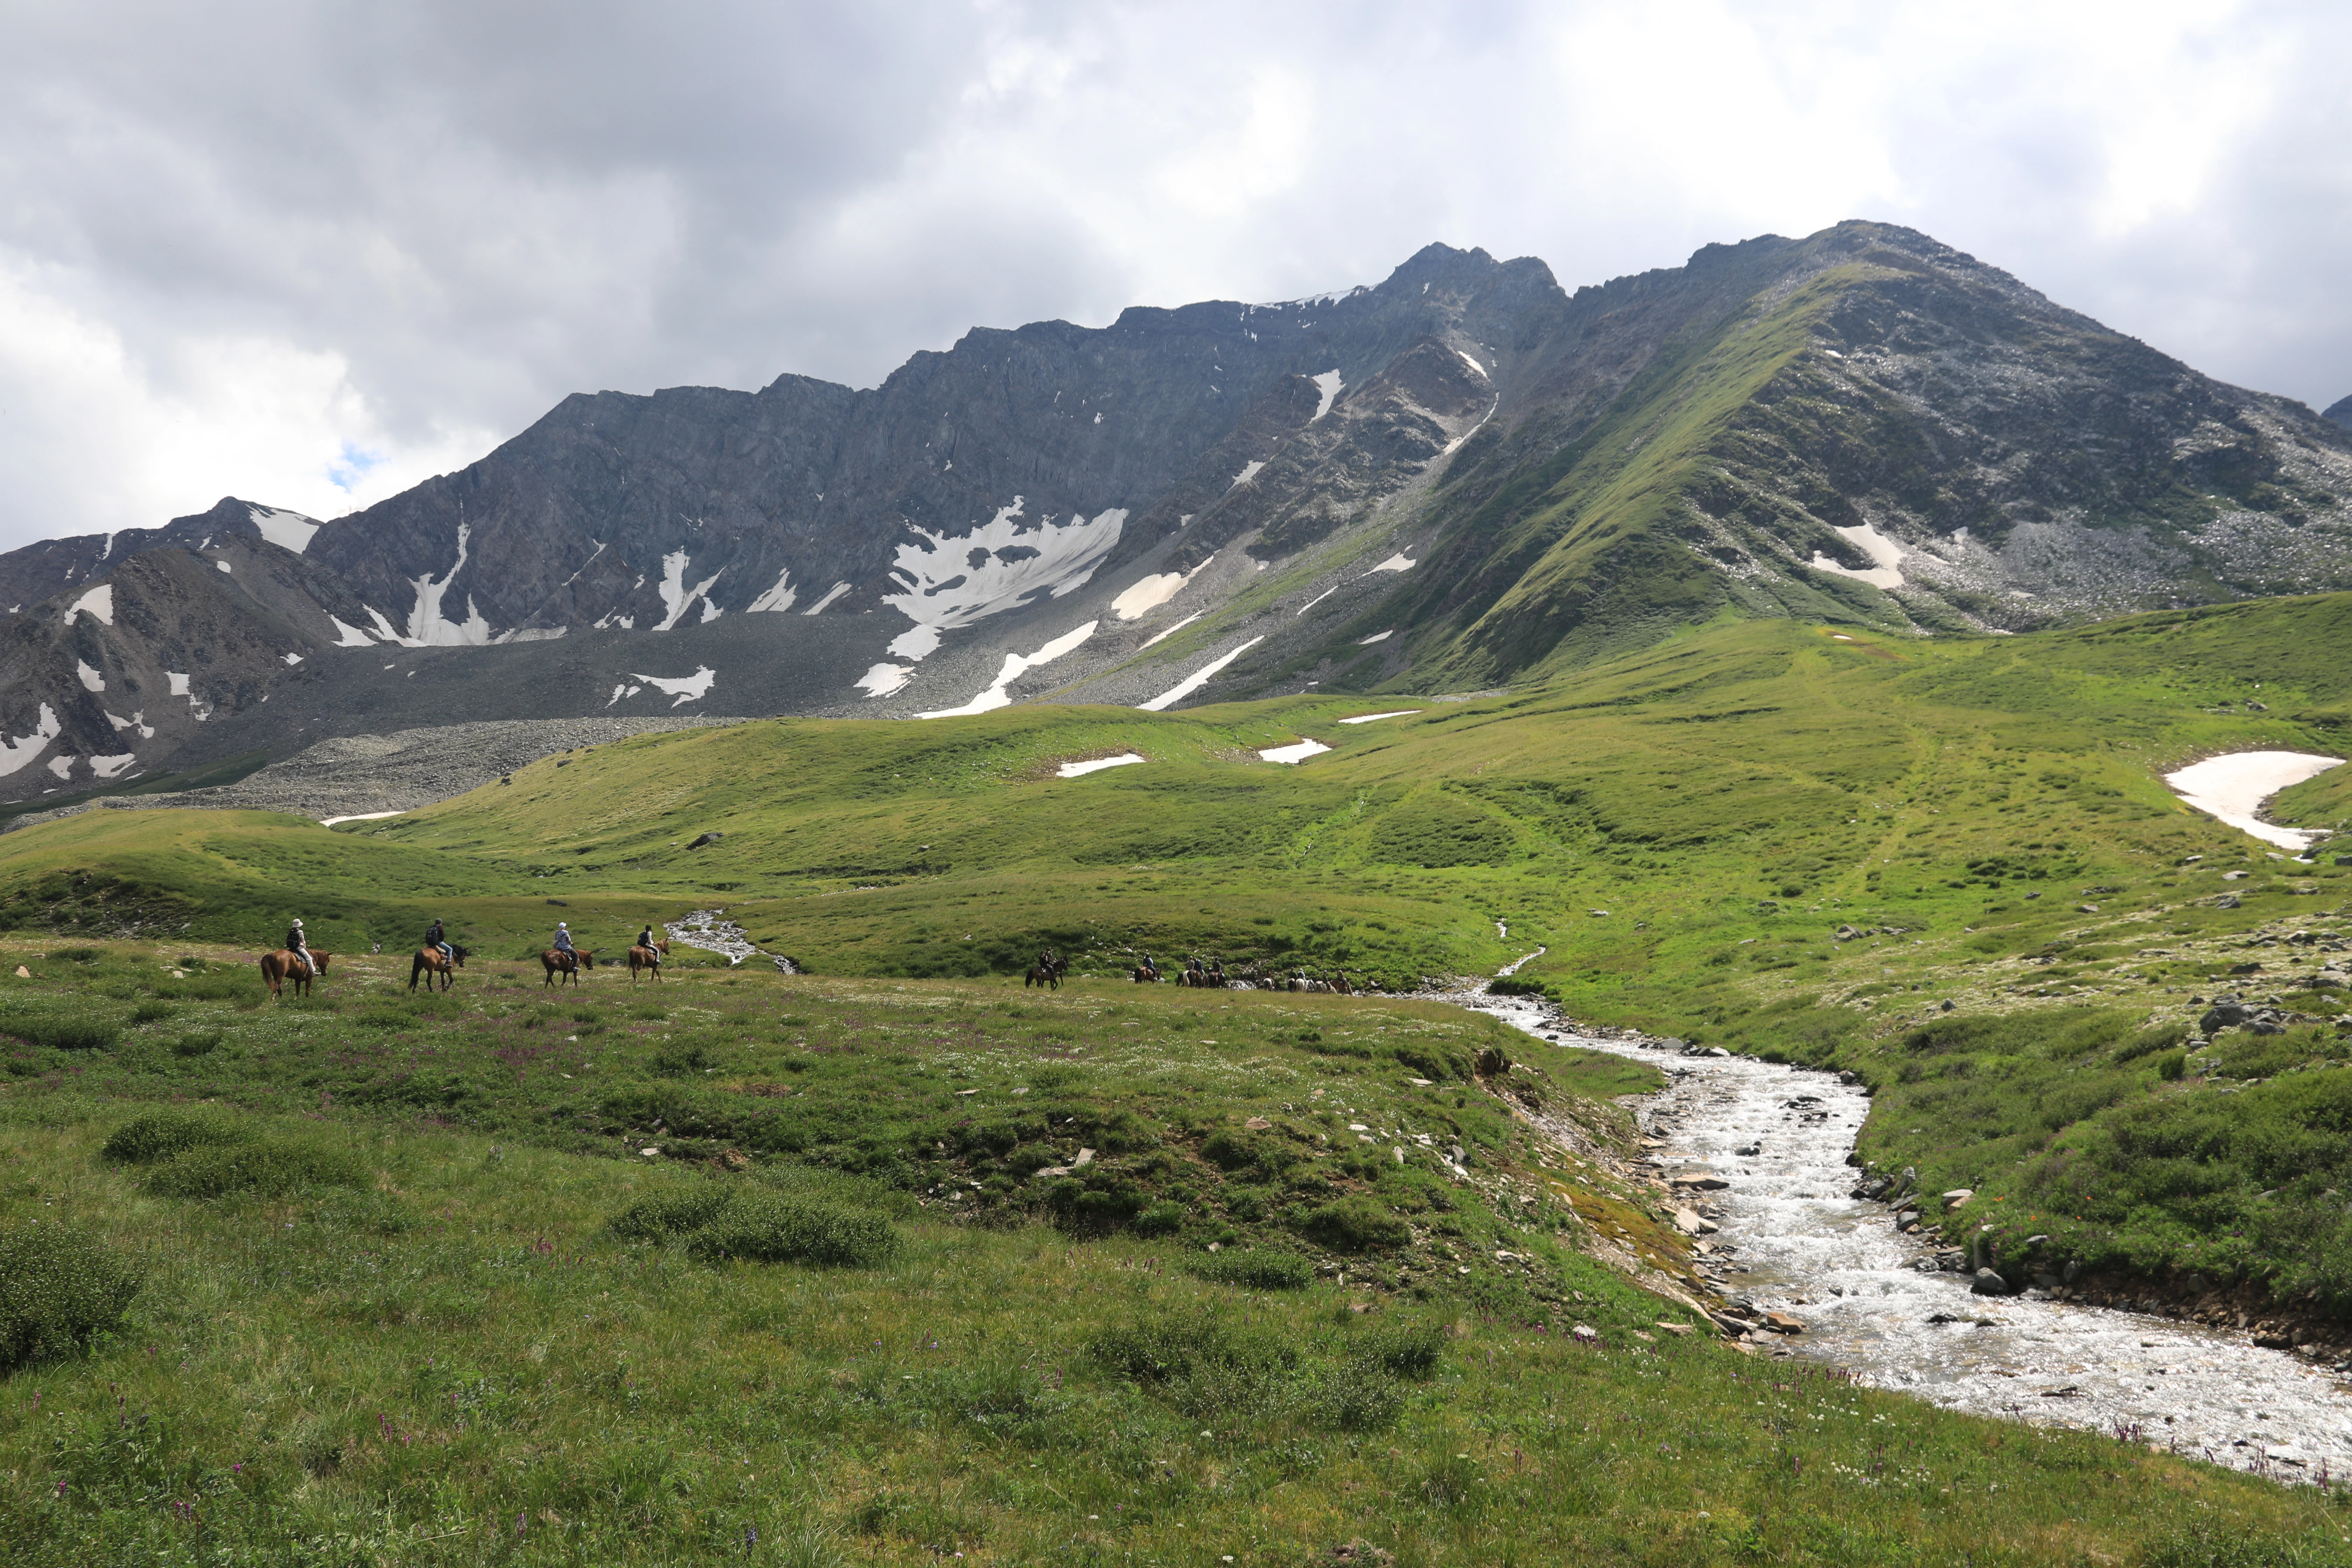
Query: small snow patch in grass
[1397,562]
[1376,636]
[2234,788]
[1297,752]
[360,816]
[1079,769]
[1368,718]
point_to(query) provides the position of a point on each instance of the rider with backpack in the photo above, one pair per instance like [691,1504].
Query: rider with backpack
[436,938]
[294,944]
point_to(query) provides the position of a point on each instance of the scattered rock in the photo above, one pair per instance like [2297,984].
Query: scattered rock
[1699,1182]
[1782,1323]
[1688,1222]
[1988,1283]
[1258,1124]
[706,839]
[1680,1330]
[1957,1196]
[23,973]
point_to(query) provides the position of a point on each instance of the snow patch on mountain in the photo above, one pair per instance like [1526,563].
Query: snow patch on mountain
[427,626]
[884,678]
[1197,680]
[1249,471]
[98,602]
[1179,626]
[835,592]
[1397,562]
[1886,570]
[349,635]
[685,688]
[1000,566]
[91,679]
[996,694]
[776,600]
[1329,384]
[1147,593]
[675,596]
[288,530]
[15,752]
[109,767]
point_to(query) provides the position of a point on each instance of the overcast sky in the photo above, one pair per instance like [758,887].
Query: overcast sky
[311,253]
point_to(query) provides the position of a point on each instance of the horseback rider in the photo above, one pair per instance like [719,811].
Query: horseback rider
[645,938]
[294,945]
[563,940]
[437,939]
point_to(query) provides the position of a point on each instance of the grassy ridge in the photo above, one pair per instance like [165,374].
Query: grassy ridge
[487,1349]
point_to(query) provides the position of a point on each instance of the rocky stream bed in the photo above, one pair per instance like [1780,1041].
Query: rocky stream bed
[1760,1152]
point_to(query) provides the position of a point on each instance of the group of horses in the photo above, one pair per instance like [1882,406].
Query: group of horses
[285,966]
[565,964]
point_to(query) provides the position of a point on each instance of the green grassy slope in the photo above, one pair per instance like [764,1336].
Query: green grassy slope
[419,1306]
[1684,831]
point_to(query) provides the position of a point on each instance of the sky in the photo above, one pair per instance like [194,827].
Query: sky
[311,253]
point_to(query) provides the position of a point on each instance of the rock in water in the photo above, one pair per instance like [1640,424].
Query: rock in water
[1988,1283]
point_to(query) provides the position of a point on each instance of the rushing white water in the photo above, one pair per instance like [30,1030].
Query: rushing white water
[1793,1241]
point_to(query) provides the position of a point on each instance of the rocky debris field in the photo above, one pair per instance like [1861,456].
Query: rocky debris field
[363,775]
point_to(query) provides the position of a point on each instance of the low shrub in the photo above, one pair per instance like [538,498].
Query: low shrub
[63,1031]
[1355,1224]
[663,1215]
[685,1056]
[201,1044]
[770,1229]
[59,1290]
[1406,1349]
[1165,1218]
[151,1012]
[1258,1268]
[264,1168]
[162,1134]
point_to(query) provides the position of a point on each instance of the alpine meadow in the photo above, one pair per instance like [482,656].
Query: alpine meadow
[1560,927]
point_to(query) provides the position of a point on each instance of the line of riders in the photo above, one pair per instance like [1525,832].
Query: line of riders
[1211,975]
[440,958]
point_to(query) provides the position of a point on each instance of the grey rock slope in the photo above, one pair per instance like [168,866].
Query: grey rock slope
[2341,411]
[1461,477]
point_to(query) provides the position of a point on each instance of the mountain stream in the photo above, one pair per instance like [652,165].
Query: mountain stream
[1792,1241]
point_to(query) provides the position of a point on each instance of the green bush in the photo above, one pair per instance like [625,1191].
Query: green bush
[58,1290]
[2170,1066]
[201,1044]
[664,1215]
[161,1135]
[1165,1218]
[770,1229]
[1258,1268]
[675,1060]
[1407,1349]
[1355,1224]
[64,1031]
[264,1168]
[151,1012]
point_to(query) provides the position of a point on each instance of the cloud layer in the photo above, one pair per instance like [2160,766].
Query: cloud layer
[311,253]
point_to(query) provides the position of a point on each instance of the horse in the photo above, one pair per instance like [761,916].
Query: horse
[556,961]
[1147,974]
[1048,973]
[428,963]
[282,965]
[645,958]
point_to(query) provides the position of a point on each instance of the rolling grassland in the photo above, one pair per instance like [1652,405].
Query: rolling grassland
[403,1258]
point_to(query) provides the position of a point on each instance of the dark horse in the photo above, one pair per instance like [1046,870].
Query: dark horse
[1147,974]
[556,961]
[1048,971]
[429,963]
[282,965]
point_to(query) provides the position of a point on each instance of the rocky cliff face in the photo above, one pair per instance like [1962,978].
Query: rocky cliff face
[1463,475]
[2341,411]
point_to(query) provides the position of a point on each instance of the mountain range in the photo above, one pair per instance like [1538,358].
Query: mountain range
[1465,477]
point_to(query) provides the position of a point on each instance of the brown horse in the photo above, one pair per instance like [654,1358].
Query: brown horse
[1147,974]
[555,960]
[282,965]
[429,963]
[644,958]
[1048,973]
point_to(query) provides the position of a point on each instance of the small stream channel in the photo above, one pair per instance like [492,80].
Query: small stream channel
[1797,1243]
